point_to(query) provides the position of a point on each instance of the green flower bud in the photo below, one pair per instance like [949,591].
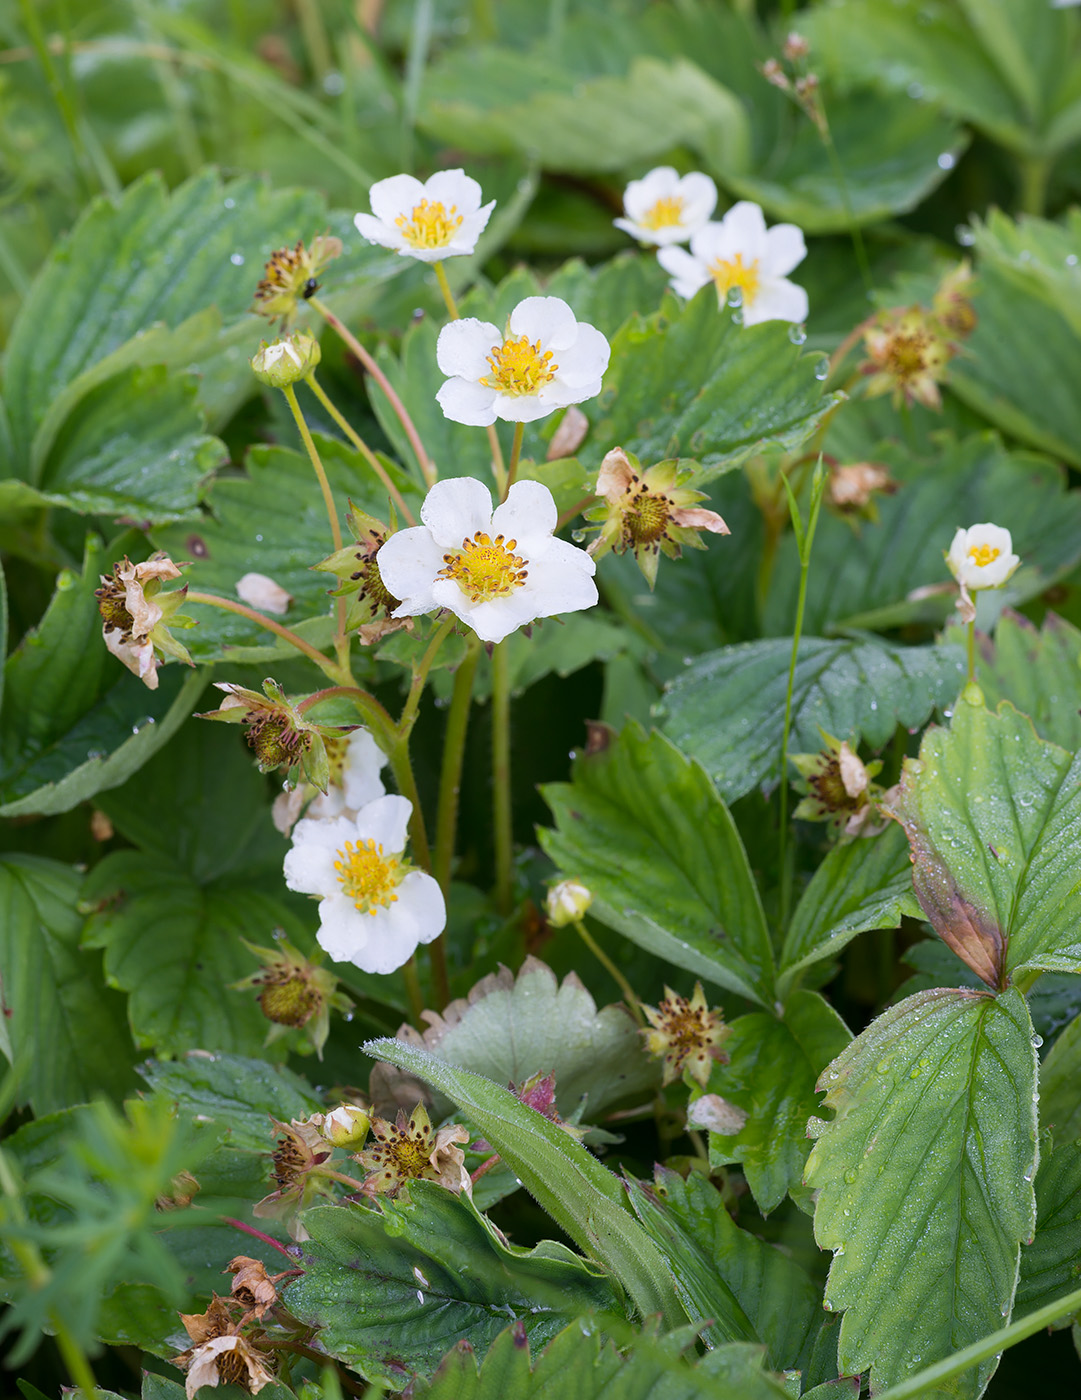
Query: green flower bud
[284,361]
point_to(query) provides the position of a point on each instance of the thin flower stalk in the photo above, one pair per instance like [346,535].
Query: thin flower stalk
[450,778]
[501,797]
[362,447]
[425,463]
[337,673]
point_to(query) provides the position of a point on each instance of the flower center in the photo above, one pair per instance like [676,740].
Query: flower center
[519,367]
[666,213]
[367,876]
[485,568]
[647,520]
[908,355]
[983,554]
[232,1367]
[430,225]
[734,273]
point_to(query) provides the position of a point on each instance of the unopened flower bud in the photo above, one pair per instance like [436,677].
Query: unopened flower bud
[346,1126]
[567,903]
[281,363]
[796,47]
[775,74]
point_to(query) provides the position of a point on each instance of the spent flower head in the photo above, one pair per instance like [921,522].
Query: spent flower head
[292,276]
[360,579]
[666,207]
[295,1168]
[651,512]
[439,218]
[546,359]
[852,487]
[907,355]
[229,1360]
[746,262]
[412,1150]
[295,993]
[137,616]
[495,570]
[686,1034]
[354,765]
[375,908]
[282,362]
[277,733]
[836,786]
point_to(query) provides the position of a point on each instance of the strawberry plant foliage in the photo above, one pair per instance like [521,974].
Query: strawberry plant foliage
[539,684]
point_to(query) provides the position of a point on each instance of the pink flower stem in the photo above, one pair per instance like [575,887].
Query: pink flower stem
[257,1234]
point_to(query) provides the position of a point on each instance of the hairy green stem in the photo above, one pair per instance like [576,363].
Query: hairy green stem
[397,407]
[450,778]
[341,639]
[1035,175]
[932,1376]
[361,446]
[629,996]
[420,674]
[805,539]
[498,469]
[336,673]
[501,801]
[972,652]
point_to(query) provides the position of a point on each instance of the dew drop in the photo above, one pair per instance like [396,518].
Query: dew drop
[797,335]
[578,536]
[334,84]
[735,296]
[915,91]
[882,1067]
[964,235]
[92,754]
[347,1016]
[1071,259]
[258,539]
[947,160]
[230,204]
[851,1176]
[237,259]
[1037,1040]
[737,317]
[822,369]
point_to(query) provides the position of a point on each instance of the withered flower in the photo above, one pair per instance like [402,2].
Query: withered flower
[687,1035]
[411,1150]
[908,351]
[182,1191]
[539,1092]
[277,732]
[136,615]
[650,512]
[837,786]
[292,275]
[357,569]
[852,487]
[952,302]
[219,1355]
[295,993]
[295,1166]
[252,1288]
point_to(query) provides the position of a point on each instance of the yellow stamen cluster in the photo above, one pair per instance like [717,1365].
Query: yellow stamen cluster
[485,568]
[519,367]
[430,225]
[729,273]
[983,554]
[367,876]
[666,213]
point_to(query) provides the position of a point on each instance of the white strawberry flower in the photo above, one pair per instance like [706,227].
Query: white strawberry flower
[665,207]
[375,907]
[740,252]
[545,361]
[441,218]
[496,570]
[355,764]
[982,556]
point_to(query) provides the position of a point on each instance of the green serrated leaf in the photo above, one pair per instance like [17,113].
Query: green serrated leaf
[727,709]
[867,576]
[580,1195]
[1049,1262]
[770,1076]
[176,947]
[752,1291]
[1060,1077]
[924,1180]
[1038,670]
[392,1288]
[511,1028]
[689,382]
[861,885]
[67,1032]
[643,827]
[991,814]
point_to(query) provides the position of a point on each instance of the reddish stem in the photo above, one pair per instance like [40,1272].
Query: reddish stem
[258,1234]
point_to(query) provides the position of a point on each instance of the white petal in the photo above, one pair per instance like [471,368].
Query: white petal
[465,401]
[453,187]
[644,235]
[994,536]
[498,617]
[473,225]
[547,319]
[956,556]
[448,594]
[386,822]
[560,395]
[455,509]
[343,930]
[527,408]
[699,198]
[745,225]
[688,273]
[641,195]
[586,360]
[419,895]
[391,198]
[408,564]
[562,581]
[309,867]
[528,515]
[360,772]
[325,805]
[390,941]
[375,231]
[777,299]
[785,249]
[463,347]
[262,592]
